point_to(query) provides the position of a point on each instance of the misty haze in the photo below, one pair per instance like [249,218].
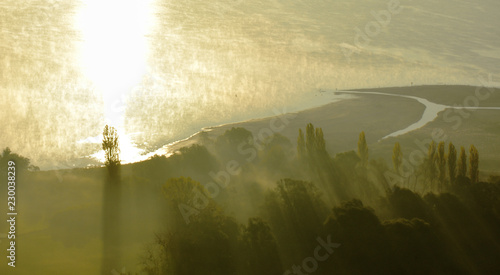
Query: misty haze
[250,137]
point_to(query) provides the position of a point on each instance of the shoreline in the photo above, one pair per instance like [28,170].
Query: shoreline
[430,113]
[322,99]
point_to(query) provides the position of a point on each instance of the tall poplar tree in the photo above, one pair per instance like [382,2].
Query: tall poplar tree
[441,164]
[111,202]
[431,161]
[397,156]
[462,163]
[452,162]
[363,149]
[474,164]
[301,145]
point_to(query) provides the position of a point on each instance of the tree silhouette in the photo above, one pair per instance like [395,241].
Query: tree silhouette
[310,139]
[474,164]
[301,145]
[261,254]
[430,165]
[397,156]
[462,163]
[110,146]
[363,149]
[111,202]
[320,144]
[452,162]
[200,238]
[441,164]
[22,163]
[320,163]
[227,145]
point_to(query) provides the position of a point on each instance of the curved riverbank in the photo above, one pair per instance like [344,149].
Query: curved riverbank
[430,113]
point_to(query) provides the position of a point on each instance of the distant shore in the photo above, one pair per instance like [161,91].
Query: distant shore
[380,115]
[385,119]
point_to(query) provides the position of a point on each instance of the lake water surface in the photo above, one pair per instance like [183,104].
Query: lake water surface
[162,70]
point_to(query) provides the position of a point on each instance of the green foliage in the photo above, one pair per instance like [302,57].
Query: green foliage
[111,212]
[474,164]
[226,145]
[363,149]
[310,139]
[180,190]
[415,247]
[452,163]
[441,164]
[417,234]
[187,201]
[301,200]
[431,161]
[359,231]
[462,163]
[419,238]
[315,144]
[232,138]
[22,163]
[268,227]
[406,204]
[195,159]
[301,146]
[111,147]
[319,163]
[276,154]
[347,161]
[260,251]
[353,216]
[397,156]
[295,211]
[204,247]
[320,144]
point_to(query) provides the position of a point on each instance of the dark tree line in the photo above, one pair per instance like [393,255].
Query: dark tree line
[261,224]
[441,169]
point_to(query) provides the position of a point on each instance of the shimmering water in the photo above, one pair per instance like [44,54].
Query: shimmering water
[161,72]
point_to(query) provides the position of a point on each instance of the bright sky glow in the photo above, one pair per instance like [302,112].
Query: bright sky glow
[114,49]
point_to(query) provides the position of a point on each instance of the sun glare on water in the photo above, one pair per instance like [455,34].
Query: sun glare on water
[114,51]
[114,46]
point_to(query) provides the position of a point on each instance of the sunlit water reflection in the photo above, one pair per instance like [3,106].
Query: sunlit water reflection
[165,69]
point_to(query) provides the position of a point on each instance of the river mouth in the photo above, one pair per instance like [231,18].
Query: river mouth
[430,113]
